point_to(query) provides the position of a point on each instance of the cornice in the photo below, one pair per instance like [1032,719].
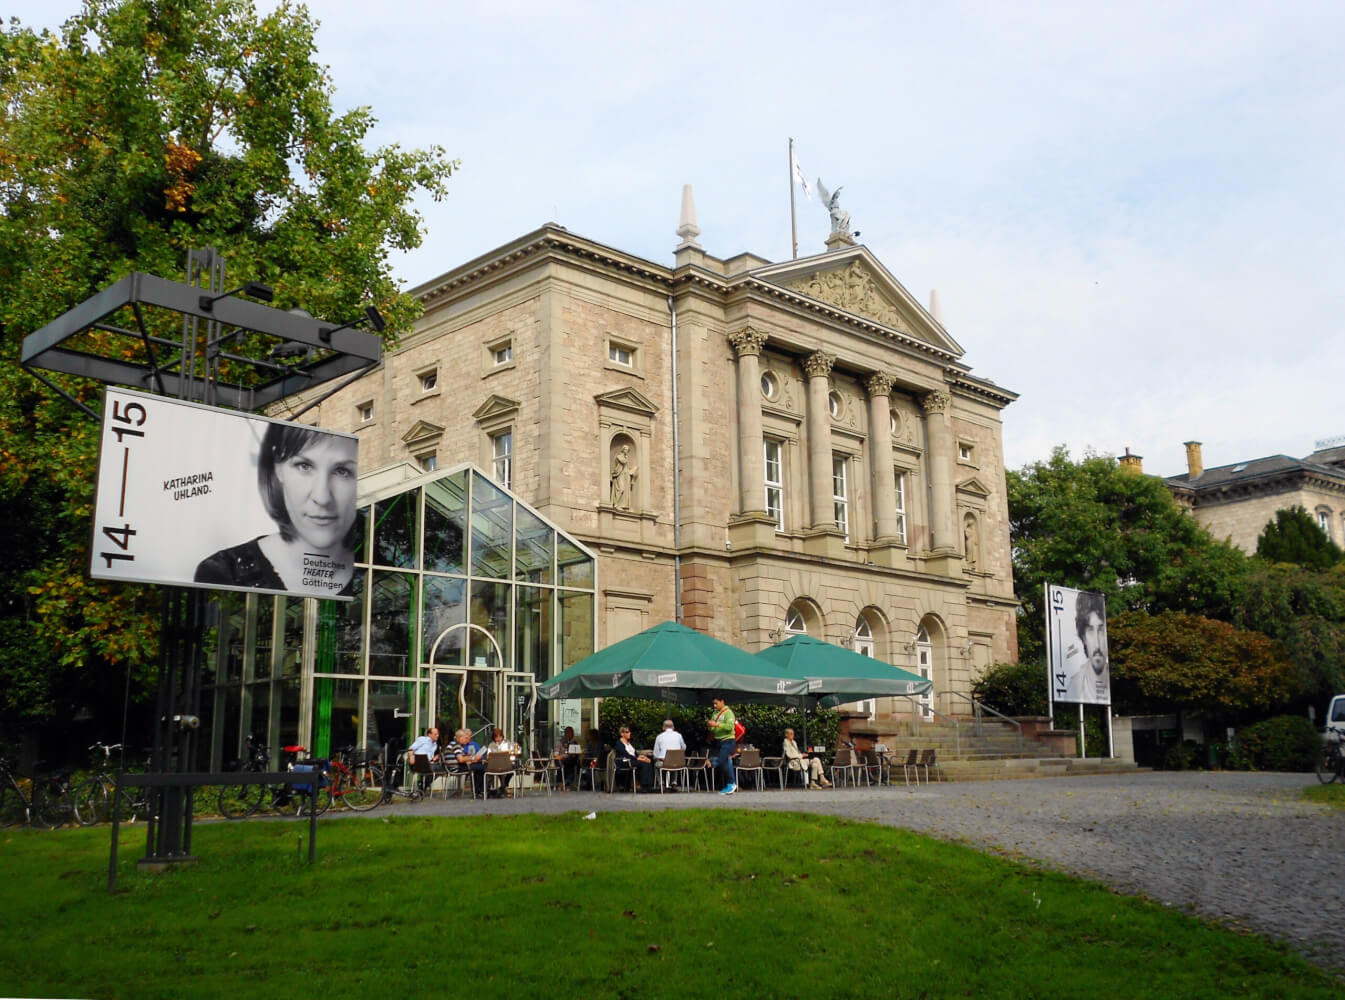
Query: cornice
[1233,491]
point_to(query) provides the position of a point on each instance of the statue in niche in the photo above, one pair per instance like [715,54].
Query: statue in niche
[624,474]
[971,547]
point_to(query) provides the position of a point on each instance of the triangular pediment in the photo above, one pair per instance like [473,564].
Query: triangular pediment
[973,486]
[855,281]
[630,400]
[422,431]
[496,406]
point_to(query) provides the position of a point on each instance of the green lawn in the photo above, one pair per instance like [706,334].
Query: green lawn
[691,905]
[1330,795]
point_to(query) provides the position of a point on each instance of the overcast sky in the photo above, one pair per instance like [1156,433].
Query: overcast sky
[1132,211]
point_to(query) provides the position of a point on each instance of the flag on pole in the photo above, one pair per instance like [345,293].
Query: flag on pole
[798,176]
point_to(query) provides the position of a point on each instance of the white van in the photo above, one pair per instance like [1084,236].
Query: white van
[1335,718]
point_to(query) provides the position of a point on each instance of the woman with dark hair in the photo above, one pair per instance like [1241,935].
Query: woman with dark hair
[307,482]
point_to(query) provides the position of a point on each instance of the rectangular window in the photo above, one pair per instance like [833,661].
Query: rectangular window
[840,494]
[429,381]
[366,412]
[617,354]
[503,354]
[429,463]
[901,507]
[1324,522]
[775,483]
[502,452]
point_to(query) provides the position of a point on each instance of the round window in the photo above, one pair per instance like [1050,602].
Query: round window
[834,403]
[769,385]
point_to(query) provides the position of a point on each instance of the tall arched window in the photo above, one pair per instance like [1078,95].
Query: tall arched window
[924,666]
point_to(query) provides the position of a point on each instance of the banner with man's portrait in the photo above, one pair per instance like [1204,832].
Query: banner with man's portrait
[194,495]
[1076,636]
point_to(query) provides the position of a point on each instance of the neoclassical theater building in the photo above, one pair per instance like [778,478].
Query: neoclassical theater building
[755,448]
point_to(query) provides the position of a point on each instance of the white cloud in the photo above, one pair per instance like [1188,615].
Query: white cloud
[1131,211]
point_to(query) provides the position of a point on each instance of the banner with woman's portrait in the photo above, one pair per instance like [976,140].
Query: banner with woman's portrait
[1076,637]
[193,495]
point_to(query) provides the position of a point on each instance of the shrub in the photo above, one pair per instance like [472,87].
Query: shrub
[1013,688]
[1185,756]
[765,724]
[1284,743]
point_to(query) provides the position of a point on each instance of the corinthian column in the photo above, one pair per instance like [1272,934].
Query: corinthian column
[880,465]
[747,343]
[939,434]
[817,366]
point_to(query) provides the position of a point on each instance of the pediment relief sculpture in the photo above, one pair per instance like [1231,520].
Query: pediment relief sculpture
[853,289]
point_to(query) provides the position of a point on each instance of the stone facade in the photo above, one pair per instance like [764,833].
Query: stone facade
[826,457]
[1235,502]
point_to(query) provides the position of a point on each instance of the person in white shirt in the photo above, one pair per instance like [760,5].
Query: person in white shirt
[669,739]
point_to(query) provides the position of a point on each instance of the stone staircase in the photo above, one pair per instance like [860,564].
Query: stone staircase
[993,754]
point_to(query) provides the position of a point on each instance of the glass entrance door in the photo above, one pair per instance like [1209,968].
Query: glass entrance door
[479,700]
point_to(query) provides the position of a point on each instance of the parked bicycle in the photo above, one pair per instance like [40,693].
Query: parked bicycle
[93,796]
[244,800]
[43,802]
[1331,762]
[392,783]
[353,782]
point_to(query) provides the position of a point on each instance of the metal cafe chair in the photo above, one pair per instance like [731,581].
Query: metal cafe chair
[749,762]
[674,763]
[498,764]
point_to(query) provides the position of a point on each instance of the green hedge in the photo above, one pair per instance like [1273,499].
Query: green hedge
[1284,743]
[765,724]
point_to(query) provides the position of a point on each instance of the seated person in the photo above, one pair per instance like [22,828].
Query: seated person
[499,743]
[814,775]
[669,739]
[569,762]
[465,754]
[426,746]
[628,759]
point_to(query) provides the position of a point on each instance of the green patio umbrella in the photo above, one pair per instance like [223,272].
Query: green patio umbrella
[836,675]
[673,663]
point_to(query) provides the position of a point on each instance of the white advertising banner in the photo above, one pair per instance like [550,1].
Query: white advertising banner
[197,496]
[1076,636]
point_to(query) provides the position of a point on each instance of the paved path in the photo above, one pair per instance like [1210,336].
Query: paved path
[1238,847]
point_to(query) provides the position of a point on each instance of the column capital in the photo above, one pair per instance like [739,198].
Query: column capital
[879,384]
[748,340]
[818,364]
[936,401]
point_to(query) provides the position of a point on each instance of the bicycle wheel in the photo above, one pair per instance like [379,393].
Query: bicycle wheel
[53,807]
[92,802]
[354,793]
[13,808]
[1328,768]
[240,801]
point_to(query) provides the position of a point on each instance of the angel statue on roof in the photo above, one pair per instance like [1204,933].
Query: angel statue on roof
[840,218]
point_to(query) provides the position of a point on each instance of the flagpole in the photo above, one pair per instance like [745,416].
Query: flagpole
[793,230]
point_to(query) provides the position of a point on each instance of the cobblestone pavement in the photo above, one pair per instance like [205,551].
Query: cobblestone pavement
[1237,847]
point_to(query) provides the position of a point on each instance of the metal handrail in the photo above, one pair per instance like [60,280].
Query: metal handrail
[976,710]
[920,708]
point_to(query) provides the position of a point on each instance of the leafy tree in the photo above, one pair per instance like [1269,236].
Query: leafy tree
[1177,660]
[141,129]
[1294,536]
[1094,525]
[1304,609]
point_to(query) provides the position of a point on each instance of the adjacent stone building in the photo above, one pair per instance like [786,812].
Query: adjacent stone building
[1237,501]
[755,447]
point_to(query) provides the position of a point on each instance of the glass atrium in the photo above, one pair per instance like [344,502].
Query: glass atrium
[464,599]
